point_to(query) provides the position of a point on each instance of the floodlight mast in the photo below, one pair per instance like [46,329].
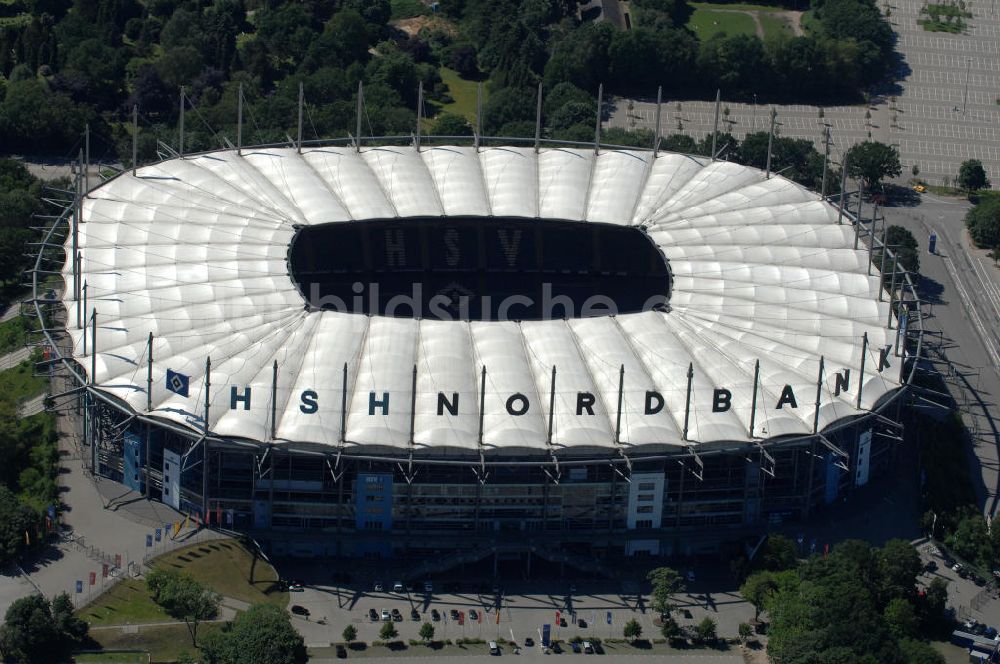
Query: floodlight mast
[180,127]
[298,139]
[770,142]
[826,158]
[538,118]
[656,131]
[715,123]
[239,121]
[135,137]
[597,130]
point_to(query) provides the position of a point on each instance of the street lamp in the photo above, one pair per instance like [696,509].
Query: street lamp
[753,112]
[965,98]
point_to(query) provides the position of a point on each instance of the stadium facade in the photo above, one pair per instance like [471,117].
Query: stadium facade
[447,351]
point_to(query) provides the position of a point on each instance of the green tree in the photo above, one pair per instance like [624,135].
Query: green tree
[898,567]
[183,598]
[758,589]
[427,632]
[632,630]
[872,162]
[16,520]
[261,635]
[671,631]
[972,176]
[901,618]
[32,633]
[706,630]
[451,125]
[935,602]
[918,652]
[983,222]
[350,633]
[388,632]
[667,582]
[777,554]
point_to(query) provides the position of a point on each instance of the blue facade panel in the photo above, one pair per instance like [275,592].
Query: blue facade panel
[832,478]
[373,511]
[133,459]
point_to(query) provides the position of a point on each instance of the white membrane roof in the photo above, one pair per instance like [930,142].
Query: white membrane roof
[193,251]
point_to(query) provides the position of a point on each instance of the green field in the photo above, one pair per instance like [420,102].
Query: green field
[20,383]
[774,25]
[126,602]
[13,334]
[225,566]
[463,93]
[111,658]
[707,23]
[164,643]
[711,18]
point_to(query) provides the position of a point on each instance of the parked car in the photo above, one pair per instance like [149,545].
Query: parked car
[386,616]
[957,567]
[473,615]
[529,642]
[396,615]
[341,651]
[588,648]
[690,576]
[414,615]
[435,616]
[494,648]
[931,566]
[575,646]
[296,586]
[453,614]
[299,610]
[581,623]
[428,587]
[379,588]
[397,587]
[373,615]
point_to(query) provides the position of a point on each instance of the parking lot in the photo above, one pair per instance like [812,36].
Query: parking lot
[512,608]
[969,598]
[943,111]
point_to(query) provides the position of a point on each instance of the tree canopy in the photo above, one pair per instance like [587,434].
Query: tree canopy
[983,222]
[36,630]
[872,162]
[183,598]
[263,634]
[972,176]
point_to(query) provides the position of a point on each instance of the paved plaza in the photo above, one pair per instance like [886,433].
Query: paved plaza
[933,117]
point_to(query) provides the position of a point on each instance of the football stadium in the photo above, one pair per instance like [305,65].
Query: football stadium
[449,352]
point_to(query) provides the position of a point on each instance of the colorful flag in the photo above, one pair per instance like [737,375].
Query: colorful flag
[104,571]
[158,535]
[93,578]
[79,586]
[149,541]
[218,515]
[118,560]
[177,382]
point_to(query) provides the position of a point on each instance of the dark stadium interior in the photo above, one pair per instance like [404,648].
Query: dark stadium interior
[479,268]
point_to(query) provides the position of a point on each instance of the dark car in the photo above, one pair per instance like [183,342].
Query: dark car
[931,566]
[373,615]
[473,615]
[299,610]
[435,616]
[575,646]
[581,622]
[396,615]
[341,651]
[529,642]
[415,615]
[454,614]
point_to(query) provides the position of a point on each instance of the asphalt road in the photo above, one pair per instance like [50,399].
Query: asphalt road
[961,287]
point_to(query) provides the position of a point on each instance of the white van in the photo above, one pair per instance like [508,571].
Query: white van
[494,648]
[588,647]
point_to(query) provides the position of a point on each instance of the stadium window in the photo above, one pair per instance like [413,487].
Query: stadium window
[644,509]
[645,498]
[647,486]
[644,523]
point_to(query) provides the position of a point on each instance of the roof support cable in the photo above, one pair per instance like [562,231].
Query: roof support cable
[333,469]
[699,464]
[261,473]
[843,457]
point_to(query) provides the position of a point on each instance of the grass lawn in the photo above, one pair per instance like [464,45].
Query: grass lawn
[111,658]
[126,602]
[18,383]
[706,23]
[738,6]
[810,24]
[164,643]
[462,92]
[774,24]
[225,566]
[13,334]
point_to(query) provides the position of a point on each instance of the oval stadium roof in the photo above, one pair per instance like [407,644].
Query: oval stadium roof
[194,251]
